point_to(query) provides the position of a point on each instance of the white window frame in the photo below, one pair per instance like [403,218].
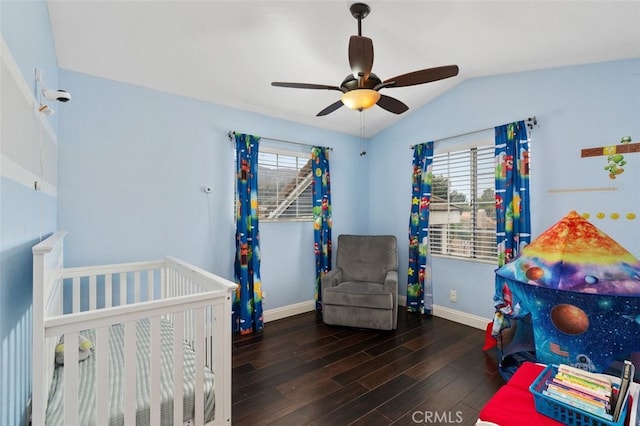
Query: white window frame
[288,204]
[469,170]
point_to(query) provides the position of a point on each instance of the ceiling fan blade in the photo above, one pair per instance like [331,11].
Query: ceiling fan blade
[328,110]
[392,104]
[305,86]
[423,76]
[361,56]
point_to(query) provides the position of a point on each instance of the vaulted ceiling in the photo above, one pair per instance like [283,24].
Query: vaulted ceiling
[228,52]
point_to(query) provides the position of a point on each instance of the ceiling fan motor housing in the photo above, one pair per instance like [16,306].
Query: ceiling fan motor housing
[351,83]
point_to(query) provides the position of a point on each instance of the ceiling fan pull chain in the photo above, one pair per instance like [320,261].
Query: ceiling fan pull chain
[362,134]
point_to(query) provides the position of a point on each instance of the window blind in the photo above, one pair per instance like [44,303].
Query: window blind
[462,219]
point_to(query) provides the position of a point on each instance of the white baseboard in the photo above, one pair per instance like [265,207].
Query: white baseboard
[289,310]
[471,320]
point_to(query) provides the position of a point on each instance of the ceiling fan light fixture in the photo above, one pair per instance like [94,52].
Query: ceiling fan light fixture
[360,99]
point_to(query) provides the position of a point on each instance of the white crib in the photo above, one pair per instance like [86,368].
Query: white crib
[185,314]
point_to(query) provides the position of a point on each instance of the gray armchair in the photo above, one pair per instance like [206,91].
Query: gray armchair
[362,290]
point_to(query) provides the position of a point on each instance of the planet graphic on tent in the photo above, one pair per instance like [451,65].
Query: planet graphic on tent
[582,292]
[569,319]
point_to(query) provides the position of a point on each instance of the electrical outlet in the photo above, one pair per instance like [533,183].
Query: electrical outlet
[453,295]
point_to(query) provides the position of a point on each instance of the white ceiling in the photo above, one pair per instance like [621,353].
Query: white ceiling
[228,52]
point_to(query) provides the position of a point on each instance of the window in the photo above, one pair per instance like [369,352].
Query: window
[462,213]
[284,185]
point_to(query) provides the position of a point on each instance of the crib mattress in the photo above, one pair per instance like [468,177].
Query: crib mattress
[87,378]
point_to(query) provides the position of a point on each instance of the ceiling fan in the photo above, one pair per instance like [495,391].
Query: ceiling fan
[361,89]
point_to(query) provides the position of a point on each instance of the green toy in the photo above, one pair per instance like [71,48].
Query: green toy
[614,167]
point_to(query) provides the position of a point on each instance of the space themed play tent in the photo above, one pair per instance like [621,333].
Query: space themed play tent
[579,291]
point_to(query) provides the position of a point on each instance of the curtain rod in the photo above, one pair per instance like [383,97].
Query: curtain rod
[232,133]
[531,121]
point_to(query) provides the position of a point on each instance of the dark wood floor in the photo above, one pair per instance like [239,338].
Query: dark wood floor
[300,371]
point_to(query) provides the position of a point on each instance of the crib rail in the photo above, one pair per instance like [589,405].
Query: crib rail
[59,325]
[47,297]
[127,283]
[111,285]
[195,301]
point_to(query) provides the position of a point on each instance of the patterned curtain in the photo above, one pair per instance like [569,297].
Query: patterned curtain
[513,228]
[247,304]
[512,190]
[321,217]
[419,286]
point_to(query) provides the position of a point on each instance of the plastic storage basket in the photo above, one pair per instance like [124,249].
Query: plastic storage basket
[565,413]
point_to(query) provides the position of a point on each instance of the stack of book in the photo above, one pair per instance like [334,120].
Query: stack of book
[590,392]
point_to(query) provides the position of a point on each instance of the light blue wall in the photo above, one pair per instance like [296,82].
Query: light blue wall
[26,29]
[25,215]
[576,107]
[133,163]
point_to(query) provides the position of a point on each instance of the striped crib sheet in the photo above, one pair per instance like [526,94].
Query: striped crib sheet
[86,385]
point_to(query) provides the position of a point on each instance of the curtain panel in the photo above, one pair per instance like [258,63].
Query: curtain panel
[513,231]
[247,304]
[419,285]
[513,218]
[321,217]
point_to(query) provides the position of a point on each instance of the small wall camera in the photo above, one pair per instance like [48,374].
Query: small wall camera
[57,95]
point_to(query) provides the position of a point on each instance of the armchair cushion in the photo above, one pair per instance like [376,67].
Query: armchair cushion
[359,293]
[366,257]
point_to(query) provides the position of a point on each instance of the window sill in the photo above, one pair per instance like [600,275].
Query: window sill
[466,259]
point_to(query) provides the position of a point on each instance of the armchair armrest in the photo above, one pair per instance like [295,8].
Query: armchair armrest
[391,281]
[332,278]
